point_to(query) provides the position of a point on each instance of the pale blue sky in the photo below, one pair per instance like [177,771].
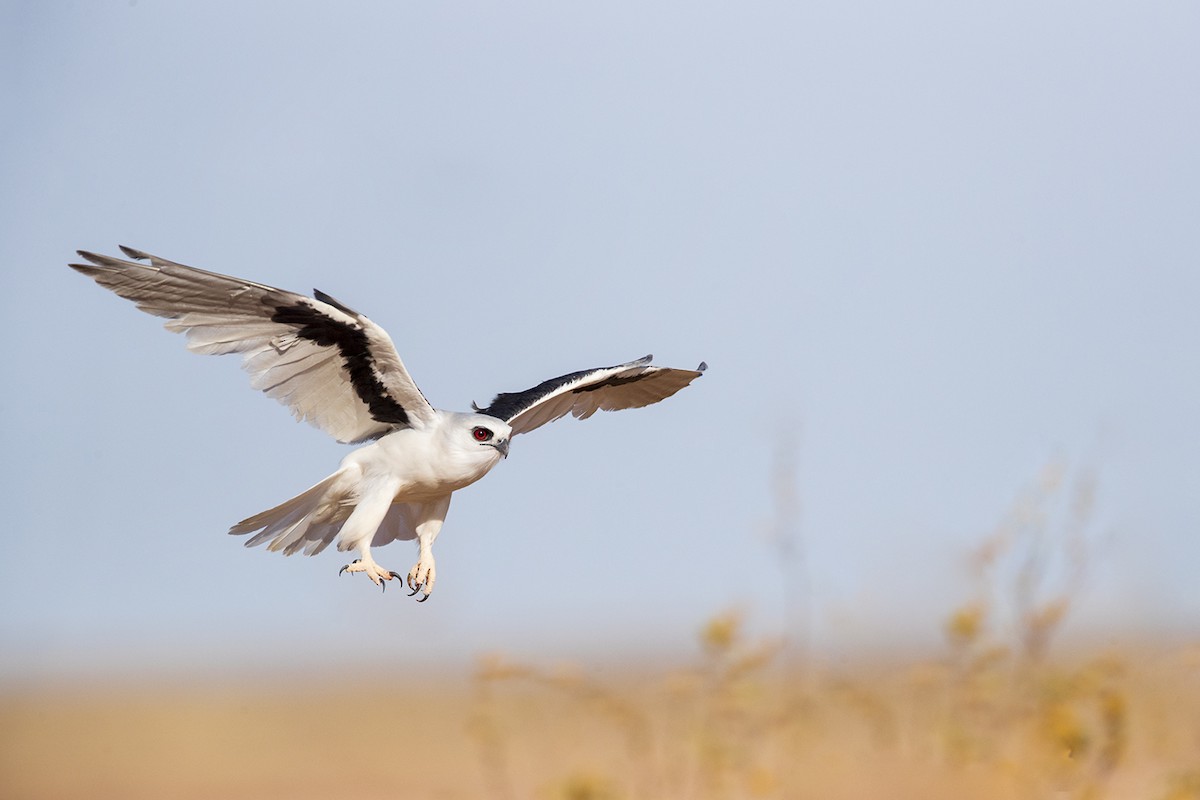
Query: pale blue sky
[928,247]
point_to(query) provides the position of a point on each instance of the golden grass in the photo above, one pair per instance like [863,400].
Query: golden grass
[738,723]
[997,716]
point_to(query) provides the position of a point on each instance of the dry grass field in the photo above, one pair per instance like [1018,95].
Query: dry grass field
[998,713]
[738,723]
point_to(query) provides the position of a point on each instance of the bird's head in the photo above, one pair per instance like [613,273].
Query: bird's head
[485,434]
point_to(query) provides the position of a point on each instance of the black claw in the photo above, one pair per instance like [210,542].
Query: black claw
[382,586]
[414,591]
[395,575]
[423,599]
[347,566]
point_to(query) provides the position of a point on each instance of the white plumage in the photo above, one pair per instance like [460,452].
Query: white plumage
[338,370]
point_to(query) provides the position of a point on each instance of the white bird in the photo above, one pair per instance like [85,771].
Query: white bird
[338,370]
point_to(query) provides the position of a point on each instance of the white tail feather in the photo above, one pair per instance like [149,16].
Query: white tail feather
[308,521]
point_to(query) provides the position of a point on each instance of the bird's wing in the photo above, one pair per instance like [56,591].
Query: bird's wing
[583,393]
[329,364]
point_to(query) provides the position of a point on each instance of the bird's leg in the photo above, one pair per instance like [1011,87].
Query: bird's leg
[424,573]
[364,563]
[359,530]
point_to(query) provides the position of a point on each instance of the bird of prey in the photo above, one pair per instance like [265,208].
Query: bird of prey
[338,370]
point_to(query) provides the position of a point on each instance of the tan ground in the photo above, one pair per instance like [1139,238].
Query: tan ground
[735,724]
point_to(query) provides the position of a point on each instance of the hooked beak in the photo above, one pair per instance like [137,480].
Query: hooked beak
[502,446]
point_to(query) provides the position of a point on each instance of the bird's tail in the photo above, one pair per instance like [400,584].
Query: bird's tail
[309,521]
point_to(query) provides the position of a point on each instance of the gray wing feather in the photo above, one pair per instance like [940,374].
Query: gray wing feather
[631,385]
[333,367]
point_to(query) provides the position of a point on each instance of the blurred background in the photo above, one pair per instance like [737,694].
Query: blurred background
[942,263]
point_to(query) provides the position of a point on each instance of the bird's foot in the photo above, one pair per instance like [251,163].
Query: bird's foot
[376,573]
[420,579]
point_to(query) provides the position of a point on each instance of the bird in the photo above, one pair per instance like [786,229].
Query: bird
[339,371]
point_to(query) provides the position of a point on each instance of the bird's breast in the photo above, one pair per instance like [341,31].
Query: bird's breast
[426,465]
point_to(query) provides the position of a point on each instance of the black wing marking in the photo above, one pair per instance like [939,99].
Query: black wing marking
[351,342]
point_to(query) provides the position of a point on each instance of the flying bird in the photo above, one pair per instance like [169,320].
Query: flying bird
[339,371]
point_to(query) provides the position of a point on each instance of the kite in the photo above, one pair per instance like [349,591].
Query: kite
[338,370]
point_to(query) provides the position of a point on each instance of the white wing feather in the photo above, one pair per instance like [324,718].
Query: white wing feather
[298,350]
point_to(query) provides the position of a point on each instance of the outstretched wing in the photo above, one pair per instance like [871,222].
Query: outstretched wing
[330,365]
[583,393]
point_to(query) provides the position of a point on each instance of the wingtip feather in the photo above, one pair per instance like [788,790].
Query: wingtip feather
[324,298]
[133,253]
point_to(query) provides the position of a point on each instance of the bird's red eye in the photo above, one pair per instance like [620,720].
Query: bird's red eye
[481,434]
